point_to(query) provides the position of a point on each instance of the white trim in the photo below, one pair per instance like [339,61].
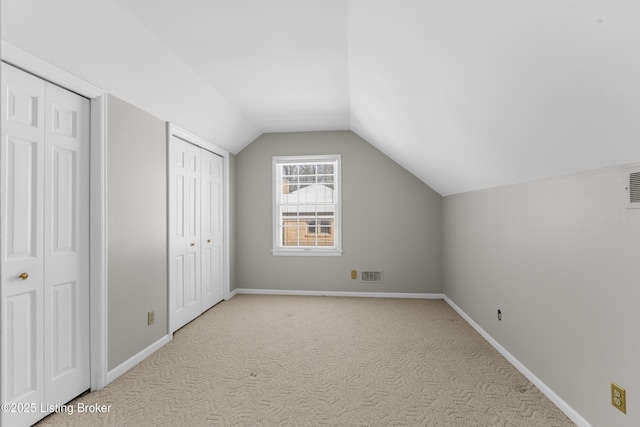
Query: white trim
[278,250]
[551,395]
[168,213]
[247,291]
[306,252]
[30,63]
[134,360]
[232,294]
[195,139]
[226,240]
[174,130]
[98,238]
[47,71]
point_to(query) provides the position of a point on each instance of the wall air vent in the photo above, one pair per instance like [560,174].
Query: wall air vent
[371,276]
[633,188]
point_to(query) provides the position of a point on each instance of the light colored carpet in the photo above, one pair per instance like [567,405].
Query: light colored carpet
[322,361]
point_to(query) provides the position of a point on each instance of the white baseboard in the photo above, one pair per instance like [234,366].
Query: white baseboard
[232,294]
[337,293]
[133,361]
[551,395]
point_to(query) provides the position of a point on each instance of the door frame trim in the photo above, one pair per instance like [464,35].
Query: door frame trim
[33,64]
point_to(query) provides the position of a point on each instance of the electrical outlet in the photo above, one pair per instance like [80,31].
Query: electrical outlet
[619,397]
[151,317]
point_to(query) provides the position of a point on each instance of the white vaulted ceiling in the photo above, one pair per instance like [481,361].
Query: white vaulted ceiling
[465,94]
[283,63]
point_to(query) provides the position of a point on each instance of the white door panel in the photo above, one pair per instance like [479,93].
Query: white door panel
[211,233]
[22,355]
[206,237]
[193,303]
[22,176]
[66,243]
[184,223]
[45,229]
[22,249]
[179,282]
[177,229]
[217,221]
[63,324]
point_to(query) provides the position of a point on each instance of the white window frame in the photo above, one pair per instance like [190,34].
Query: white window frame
[279,250]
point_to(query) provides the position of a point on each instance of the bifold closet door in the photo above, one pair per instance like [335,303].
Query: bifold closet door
[212,228]
[184,225]
[45,247]
[196,268]
[66,245]
[23,242]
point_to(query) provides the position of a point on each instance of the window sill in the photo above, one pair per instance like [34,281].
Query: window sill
[306,252]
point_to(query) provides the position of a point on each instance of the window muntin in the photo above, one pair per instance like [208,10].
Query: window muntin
[307,205]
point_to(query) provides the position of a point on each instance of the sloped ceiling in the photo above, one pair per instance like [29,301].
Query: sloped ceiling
[283,63]
[464,94]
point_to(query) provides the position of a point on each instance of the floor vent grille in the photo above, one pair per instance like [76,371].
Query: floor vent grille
[371,276]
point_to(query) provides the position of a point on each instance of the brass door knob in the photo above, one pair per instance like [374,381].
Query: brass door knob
[23,276]
[193,244]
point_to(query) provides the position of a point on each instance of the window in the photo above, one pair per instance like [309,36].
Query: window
[306,192]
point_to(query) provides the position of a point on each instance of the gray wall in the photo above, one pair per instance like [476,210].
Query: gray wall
[137,229]
[391,221]
[560,258]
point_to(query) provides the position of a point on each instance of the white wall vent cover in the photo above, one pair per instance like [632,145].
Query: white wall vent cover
[633,188]
[371,276]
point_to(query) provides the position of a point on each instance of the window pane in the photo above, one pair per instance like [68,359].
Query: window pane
[290,170]
[324,194]
[290,233]
[292,184]
[325,168]
[307,180]
[307,169]
[325,179]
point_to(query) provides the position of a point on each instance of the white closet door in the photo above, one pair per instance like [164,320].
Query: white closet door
[22,243]
[178,232]
[66,245]
[196,230]
[45,246]
[193,300]
[184,227]
[212,229]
